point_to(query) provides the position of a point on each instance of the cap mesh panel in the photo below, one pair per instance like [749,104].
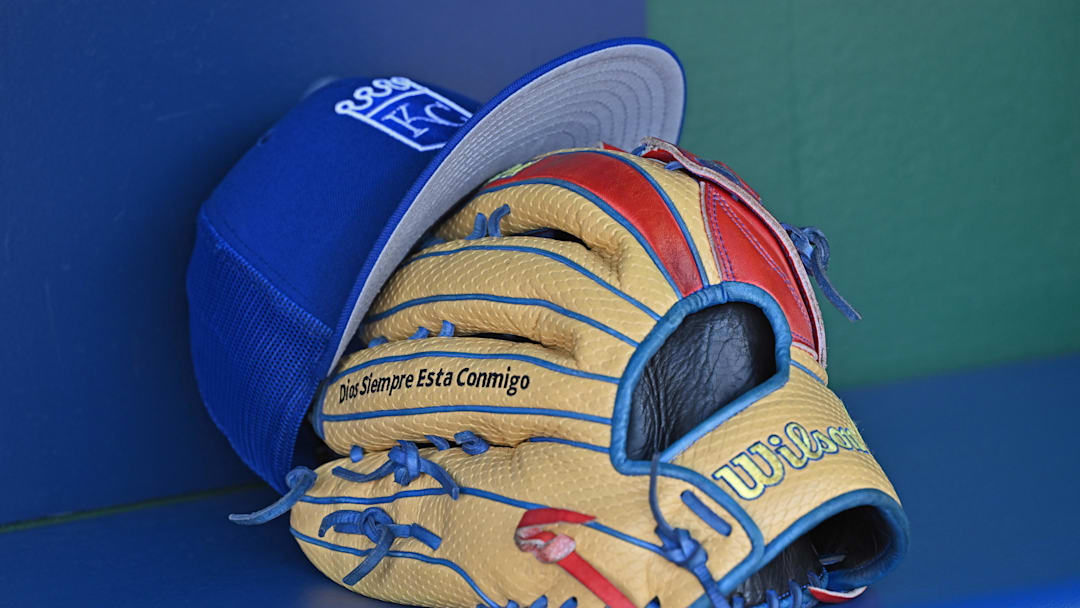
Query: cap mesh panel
[255,353]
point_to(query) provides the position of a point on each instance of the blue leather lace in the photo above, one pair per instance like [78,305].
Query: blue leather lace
[810,242]
[299,481]
[381,529]
[488,226]
[813,249]
[680,548]
[540,602]
[406,464]
[773,599]
[677,545]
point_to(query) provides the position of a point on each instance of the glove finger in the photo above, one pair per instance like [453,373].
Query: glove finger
[477,561]
[550,292]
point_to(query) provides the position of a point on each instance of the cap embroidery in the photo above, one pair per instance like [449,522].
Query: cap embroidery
[409,112]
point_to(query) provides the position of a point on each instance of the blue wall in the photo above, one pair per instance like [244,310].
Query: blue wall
[118,118]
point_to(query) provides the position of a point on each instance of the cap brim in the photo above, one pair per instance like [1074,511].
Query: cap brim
[617,91]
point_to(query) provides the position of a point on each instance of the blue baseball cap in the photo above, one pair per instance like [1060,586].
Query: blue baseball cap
[294,244]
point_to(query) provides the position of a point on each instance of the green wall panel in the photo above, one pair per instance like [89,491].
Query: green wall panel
[936,144]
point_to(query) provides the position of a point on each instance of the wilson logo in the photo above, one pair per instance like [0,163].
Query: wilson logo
[761,466]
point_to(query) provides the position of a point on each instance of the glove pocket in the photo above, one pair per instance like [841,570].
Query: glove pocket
[797,464]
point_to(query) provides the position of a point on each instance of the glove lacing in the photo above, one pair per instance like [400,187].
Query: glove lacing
[679,547]
[813,249]
[677,544]
[405,463]
[380,528]
[809,241]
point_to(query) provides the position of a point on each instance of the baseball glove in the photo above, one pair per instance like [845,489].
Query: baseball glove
[599,381]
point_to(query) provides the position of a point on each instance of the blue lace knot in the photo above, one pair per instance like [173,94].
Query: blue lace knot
[405,462]
[381,529]
[679,547]
[471,443]
[813,250]
[373,522]
[407,458]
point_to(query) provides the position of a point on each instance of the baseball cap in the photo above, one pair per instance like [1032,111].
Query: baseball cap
[293,245]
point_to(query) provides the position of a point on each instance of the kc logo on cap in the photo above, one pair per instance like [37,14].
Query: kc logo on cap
[407,111]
